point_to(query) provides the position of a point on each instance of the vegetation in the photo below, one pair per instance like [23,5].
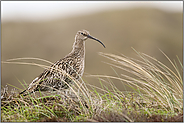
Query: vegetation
[156,95]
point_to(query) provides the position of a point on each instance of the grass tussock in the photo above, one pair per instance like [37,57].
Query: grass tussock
[151,79]
[156,95]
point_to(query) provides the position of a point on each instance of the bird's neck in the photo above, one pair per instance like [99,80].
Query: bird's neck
[79,48]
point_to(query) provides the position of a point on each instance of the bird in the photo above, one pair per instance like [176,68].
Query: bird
[56,76]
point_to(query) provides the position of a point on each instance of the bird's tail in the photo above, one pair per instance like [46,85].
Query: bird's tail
[32,87]
[25,93]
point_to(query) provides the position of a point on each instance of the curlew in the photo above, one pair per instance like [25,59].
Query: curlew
[55,77]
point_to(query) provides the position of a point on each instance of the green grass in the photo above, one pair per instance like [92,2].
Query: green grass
[156,95]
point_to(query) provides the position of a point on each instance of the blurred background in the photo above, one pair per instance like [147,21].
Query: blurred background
[45,29]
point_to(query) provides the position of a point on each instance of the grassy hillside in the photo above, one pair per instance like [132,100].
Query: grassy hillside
[145,30]
[157,95]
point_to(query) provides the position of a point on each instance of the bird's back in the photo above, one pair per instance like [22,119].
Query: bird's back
[59,75]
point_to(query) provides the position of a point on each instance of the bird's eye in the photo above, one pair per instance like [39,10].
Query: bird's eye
[82,33]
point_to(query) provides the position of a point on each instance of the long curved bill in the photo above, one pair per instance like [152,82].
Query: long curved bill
[89,36]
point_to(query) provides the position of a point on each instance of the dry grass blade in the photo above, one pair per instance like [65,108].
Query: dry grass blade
[26,63]
[30,58]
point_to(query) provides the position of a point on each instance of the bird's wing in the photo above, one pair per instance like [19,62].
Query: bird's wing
[53,75]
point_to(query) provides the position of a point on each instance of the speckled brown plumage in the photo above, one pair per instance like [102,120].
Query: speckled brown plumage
[63,72]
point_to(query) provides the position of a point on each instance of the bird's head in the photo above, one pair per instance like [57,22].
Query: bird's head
[83,35]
